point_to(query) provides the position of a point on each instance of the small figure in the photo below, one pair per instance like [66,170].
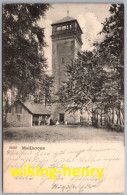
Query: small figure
[65,122]
[57,122]
[46,120]
[39,121]
[51,121]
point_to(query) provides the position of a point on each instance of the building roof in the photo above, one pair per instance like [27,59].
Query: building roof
[36,108]
[66,19]
[33,108]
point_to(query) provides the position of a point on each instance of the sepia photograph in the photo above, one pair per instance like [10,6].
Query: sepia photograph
[63,98]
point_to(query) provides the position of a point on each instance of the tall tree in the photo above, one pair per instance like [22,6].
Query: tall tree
[112,49]
[113,45]
[96,79]
[85,84]
[23,42]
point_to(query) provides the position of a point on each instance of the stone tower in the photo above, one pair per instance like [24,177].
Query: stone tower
[66,42]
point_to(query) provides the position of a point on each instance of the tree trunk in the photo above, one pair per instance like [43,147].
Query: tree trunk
[92,117]
[113,116]
[101,119]
[97,124]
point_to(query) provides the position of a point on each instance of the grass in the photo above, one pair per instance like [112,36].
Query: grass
[60,134]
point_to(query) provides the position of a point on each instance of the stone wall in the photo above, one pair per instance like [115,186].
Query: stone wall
[63,53]
[72,118]
[65,45]
[18,120]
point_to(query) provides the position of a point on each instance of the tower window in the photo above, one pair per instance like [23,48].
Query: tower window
[64,27]
[58,28]
[63,60]
[69,26]
[18,117]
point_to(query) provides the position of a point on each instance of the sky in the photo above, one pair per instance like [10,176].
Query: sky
[89,16]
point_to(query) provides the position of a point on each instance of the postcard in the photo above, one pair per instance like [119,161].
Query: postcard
[63,98]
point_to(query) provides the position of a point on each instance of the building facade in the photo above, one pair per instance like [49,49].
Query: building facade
[66,42]
[26,114]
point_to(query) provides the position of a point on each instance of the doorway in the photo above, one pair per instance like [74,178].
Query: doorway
[61,118]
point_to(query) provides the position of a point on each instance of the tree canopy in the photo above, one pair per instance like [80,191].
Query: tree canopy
[112,46]
[23,42]
[96,79]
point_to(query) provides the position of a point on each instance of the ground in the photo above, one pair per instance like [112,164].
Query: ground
[60,133]
[73,146]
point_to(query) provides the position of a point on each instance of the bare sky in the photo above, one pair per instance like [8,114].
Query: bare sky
[89,16]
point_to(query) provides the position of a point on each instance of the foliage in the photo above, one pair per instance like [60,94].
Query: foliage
[43,93]
[23,42]
[96,79]
[86,82]
[113,45]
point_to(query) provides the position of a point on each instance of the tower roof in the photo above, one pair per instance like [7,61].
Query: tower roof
[66,19]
